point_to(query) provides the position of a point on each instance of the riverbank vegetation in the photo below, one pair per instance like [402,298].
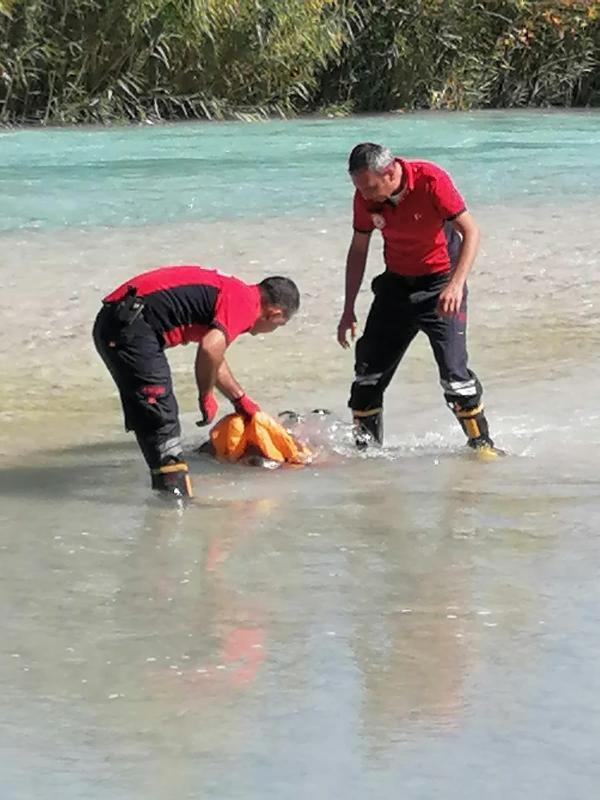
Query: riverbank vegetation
[69,61]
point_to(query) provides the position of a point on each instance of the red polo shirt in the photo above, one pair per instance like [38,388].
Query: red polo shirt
[183,303]
[413,230]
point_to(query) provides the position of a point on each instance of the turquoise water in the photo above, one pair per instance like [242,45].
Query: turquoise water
[412,624]
[196,172]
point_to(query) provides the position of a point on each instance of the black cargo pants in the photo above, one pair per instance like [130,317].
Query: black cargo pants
[401,308]
[134,356]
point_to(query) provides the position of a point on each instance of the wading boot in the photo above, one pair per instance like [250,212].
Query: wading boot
[368,428]
[475,425]
[172,478]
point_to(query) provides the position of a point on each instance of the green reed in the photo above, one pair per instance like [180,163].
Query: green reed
[65,61]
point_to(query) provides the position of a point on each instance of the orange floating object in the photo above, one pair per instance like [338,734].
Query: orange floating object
[233,437]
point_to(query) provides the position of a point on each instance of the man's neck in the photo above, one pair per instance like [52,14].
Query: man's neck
[398,192]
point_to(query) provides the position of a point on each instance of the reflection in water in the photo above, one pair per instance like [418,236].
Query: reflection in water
[212,641]
[417,655]
[316,609]
[234,626]
[125,613]
[409,619]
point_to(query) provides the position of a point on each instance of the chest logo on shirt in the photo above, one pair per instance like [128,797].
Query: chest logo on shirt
[418,216]
[378,221]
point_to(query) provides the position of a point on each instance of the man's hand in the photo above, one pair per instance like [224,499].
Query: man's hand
[208,408]
[347,323]
[450,300]
[245,406]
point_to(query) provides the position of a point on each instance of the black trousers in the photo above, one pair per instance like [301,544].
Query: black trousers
[401,308]
[134,356]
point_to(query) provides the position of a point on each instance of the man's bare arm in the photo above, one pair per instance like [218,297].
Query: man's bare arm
[227,384]
[355,270]
[451,297]
[209,357]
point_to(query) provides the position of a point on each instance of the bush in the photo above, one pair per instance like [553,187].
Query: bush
[103,60]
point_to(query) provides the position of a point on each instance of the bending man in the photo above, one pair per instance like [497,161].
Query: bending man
[169,306]
[430,244]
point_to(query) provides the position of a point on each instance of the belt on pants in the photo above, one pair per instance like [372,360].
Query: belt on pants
[128,308]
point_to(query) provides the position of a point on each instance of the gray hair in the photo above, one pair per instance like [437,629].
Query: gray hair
[373,157]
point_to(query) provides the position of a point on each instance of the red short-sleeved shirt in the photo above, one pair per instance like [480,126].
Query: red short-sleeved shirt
[413,230]
[183,303]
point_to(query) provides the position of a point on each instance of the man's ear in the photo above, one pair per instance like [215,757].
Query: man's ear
[273,311]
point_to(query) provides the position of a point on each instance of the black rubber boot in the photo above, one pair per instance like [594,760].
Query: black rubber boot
[368,428]
[172,478]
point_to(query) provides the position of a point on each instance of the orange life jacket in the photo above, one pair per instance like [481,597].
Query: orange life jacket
[233,436]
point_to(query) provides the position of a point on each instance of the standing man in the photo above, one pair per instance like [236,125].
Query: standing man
[430,244]
[169,306]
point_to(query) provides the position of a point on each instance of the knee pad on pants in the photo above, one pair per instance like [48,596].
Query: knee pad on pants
[366,393]
[466,394]
[158,450]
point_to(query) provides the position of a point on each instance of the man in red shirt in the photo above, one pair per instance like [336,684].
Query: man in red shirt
[177,305]
[430,244]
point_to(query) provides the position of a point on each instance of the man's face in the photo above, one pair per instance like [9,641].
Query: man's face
[271,319]
[377,187]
